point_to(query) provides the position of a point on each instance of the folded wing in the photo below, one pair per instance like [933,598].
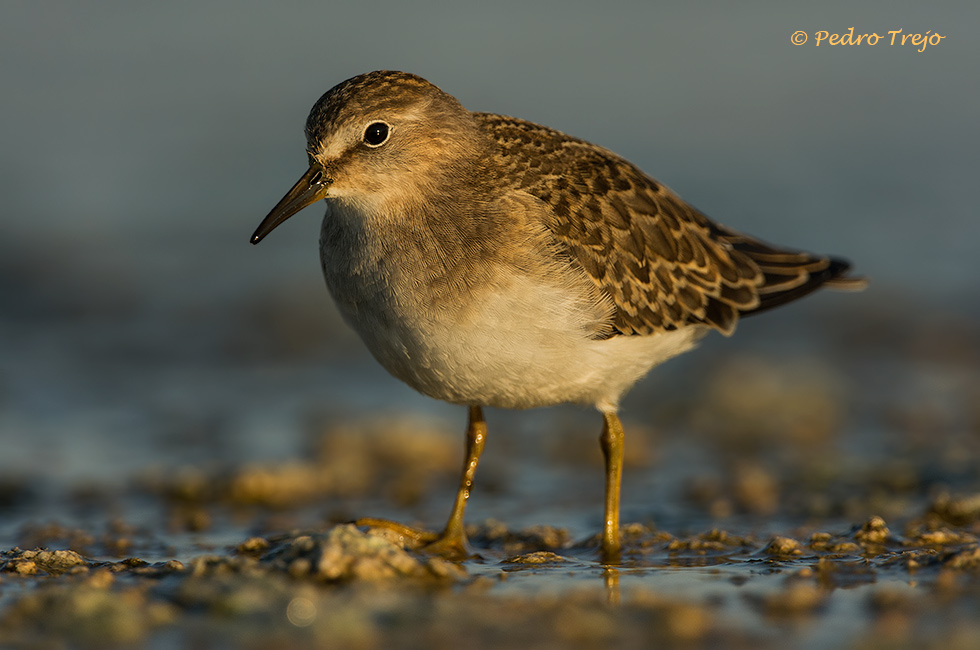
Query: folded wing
[663,263]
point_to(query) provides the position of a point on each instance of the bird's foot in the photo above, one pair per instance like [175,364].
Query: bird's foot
[450,544]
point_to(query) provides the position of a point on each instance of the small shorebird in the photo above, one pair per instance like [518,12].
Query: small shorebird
[489,261]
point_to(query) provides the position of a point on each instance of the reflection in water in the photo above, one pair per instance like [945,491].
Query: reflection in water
[610,576]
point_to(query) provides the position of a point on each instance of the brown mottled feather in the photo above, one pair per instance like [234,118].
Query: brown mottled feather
[663,263]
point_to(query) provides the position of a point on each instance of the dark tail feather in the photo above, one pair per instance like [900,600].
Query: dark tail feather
[789,274]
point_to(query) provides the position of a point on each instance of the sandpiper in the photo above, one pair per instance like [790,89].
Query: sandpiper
[488,261]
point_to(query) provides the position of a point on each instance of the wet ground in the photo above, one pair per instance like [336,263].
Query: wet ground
[811,483]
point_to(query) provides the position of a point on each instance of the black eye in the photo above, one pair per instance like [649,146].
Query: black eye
[376,134]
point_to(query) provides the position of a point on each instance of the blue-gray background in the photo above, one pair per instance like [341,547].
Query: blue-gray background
[143,142]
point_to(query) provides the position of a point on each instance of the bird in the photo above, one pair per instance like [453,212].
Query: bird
[489,261]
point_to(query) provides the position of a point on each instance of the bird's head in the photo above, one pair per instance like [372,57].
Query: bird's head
[379,140]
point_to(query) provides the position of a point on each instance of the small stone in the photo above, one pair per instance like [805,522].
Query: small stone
[874,531]
[345,553]
[253,546]
[783,546]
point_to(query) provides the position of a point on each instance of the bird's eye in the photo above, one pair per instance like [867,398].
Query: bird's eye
[376,134]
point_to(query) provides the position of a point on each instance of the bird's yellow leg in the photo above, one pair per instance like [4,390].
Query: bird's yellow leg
[452,541]
[611,441]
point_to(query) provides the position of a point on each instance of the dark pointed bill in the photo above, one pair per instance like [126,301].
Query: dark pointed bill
[309,189]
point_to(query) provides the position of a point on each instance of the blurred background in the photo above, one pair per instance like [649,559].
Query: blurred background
[144,142]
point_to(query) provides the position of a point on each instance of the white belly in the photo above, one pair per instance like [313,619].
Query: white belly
[509,331]
[519,344]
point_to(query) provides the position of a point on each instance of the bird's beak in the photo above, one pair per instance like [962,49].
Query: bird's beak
[309,189]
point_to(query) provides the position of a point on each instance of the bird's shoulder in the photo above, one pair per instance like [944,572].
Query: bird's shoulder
[534,156]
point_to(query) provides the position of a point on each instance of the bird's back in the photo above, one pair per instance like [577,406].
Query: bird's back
[663,263]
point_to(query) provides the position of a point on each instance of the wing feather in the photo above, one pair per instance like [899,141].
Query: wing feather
[663,263]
